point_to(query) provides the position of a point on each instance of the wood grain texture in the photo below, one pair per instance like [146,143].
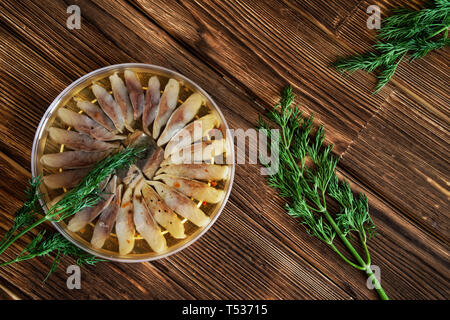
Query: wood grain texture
[242,54]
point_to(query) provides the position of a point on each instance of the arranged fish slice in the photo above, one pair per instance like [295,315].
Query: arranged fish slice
[181,204]
[152,163]
[145,223]
[106,220]
[198,152]
[109,106]
[73,159]
[79,141]
[203,171]
[153,156]
[84,124]
[152,98]
[67,178]
[180,117]
[120,93]
[195,189]
[133,176]
[193,132]
[167,103]
[136,92]
[124,223]
[162,213]
[85,216]
[96,114]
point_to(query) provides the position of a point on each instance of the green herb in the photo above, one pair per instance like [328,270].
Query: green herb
[406,32]
[85,194]
[309,187]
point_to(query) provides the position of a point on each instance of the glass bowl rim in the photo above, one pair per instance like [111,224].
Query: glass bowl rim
[54,104]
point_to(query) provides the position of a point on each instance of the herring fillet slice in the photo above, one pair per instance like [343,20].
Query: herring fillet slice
[84,124]
[193,132]
[153,163]
[109,106]
[145,223]
[73,159]
[199,152]
[162,213]
[106,220]
[180,117]
[67,178]
[167,103]
[203,171]
[132,176]
[120,93]
[152,157]
[191,188]
[79,141]
[97,114]
[83,217]
[152,98]
[136,93]
[181,204]
[124,223]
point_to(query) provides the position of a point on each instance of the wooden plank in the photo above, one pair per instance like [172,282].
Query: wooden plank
[330,14]
[404,156]
[263,46]
[114,30]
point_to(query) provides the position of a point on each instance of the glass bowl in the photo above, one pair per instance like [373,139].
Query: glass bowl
[41,145]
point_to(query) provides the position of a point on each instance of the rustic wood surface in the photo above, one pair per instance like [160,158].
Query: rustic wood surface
[393,146]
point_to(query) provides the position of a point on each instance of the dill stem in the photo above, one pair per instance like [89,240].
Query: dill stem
[364,243]
[437,32]
[20,234]
[358,258]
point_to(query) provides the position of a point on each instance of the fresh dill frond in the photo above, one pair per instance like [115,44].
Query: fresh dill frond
[85,194]
[406,32]
[309,185]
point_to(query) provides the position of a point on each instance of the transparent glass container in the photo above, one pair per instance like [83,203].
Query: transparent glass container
[81,88]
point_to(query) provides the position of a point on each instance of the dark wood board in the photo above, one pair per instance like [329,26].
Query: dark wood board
[243,53]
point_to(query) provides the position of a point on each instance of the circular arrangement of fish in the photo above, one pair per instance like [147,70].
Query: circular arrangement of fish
[153,199]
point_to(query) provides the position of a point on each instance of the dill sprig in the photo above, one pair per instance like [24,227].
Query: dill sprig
[307,177]
[406,32]
[85,194]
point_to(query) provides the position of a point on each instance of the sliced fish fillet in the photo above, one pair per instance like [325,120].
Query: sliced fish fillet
[167,104]
[120,93]
[97,114]
[106,220]
[73,159]
[152,98]
[202,171]
[193,132]
[125,229]
[181,204]
[85,216]
[136,93]
[192,188]
[84,124]
[109,106]
[145,223]
[199,152]
[79,141]
[180,117]
[162,213]
[67,178]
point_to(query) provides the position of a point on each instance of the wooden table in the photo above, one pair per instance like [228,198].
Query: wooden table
[393,145]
